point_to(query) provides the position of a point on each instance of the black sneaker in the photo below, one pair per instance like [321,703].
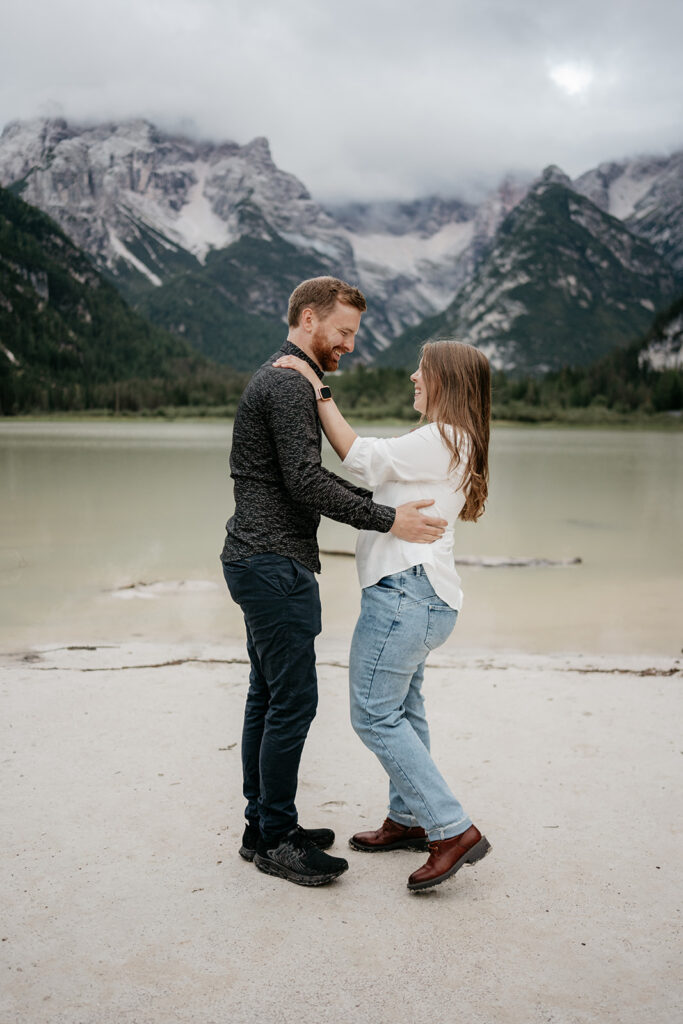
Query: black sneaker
[320,837]
[298,860]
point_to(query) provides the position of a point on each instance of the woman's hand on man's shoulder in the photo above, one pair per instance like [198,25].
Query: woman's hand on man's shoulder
[301,367]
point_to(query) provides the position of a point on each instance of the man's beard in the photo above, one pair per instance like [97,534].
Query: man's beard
[322,352]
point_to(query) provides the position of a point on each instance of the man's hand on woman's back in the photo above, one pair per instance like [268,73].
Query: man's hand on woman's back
[412,526]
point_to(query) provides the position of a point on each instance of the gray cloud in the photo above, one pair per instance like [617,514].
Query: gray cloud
[369,99]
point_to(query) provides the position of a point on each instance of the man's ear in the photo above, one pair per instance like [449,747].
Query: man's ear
[307,320]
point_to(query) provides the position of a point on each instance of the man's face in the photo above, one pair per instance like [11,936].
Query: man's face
[334,335]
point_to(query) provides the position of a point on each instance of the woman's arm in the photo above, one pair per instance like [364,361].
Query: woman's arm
[338,432]
[418,455]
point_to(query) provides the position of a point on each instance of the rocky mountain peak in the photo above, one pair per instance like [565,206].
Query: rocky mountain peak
[646,193]
[553,175]
[135,197]
[259,150]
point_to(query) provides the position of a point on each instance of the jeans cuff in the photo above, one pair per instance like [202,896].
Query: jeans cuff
[456,828]
[403,819]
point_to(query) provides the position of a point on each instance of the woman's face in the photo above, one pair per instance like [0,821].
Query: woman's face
[420,402]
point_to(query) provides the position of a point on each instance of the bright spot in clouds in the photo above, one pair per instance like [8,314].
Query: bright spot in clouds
[573,79]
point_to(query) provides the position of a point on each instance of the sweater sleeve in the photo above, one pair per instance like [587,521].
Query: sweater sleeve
[294,427]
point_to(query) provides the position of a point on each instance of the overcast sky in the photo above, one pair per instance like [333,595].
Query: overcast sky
[364,98]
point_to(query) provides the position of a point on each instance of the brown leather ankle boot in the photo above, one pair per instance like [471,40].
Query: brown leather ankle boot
[390,836]
[446,856]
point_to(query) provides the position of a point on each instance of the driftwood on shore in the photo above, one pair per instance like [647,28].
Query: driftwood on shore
[163,588]
[504,561]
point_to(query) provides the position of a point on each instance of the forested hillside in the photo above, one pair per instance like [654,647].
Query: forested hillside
[69,341]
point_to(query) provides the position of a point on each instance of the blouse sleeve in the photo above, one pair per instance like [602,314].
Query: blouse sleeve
[418,455]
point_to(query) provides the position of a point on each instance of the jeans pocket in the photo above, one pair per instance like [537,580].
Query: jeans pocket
[440,624]
[392,583]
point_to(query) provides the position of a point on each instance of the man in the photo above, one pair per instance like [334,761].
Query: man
[269,561]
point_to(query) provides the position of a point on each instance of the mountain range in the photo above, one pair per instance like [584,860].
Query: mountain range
[207,240]
[561,285]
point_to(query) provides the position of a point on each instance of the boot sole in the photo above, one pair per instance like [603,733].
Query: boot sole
[270,867]
[477,852]
[401,844]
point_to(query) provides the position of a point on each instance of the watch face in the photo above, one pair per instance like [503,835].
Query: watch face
[325,393]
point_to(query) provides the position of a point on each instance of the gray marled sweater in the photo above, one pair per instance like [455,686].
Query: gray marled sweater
[281,486]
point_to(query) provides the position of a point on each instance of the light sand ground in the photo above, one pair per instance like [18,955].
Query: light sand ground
[124,899]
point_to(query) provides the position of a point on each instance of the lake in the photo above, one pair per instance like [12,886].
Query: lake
[91,508]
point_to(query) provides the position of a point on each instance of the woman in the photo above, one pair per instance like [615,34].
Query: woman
[411,595]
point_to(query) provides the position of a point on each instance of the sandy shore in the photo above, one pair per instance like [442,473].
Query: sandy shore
[124,899]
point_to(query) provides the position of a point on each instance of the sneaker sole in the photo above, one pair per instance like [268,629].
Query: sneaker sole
[270,867]
[248,854]
[401,844]
[476,853]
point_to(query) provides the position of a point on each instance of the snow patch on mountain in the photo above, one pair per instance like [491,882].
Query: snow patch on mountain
[404,254]
[618,188]
[627,192]
[125,254]
[197,226]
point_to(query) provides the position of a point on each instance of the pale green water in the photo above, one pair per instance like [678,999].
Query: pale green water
[88,507]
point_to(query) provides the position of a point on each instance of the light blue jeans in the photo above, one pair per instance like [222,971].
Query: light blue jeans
[401,621]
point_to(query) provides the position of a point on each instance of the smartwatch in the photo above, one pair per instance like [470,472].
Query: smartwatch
[324,394]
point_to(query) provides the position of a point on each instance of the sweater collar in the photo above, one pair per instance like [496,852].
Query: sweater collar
[290,349]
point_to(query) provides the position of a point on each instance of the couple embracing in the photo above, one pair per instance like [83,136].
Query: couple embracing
[415,487]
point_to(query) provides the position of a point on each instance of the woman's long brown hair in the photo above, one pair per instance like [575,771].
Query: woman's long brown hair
[458,379]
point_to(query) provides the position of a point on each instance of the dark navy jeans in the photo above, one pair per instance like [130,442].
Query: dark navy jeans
[281,605]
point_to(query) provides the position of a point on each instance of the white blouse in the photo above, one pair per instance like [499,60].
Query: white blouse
[409,468]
